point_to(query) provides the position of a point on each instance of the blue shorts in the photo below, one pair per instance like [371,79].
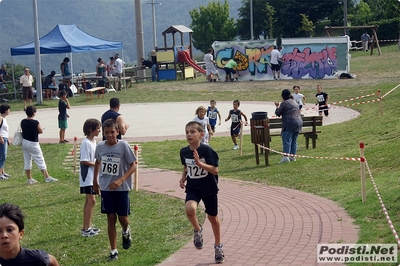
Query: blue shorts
[235,129]
[115,202]
[210,202]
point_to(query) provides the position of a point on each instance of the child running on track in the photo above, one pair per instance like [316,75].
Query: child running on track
[213,114]
[200,173]
[236,117]
[91,129]
[205,122]
[115,164]
[322,101]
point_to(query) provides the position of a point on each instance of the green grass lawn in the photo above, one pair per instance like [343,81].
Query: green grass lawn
[54,211]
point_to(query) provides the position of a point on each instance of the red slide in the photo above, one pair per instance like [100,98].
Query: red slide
[183,56]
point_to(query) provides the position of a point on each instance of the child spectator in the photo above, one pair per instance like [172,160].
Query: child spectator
[114,166]
[236,115]
[200,173]
[212,113]
[322,101]
[211,71]
[205,122]
[299,98]
[12,228]
[63,105]
[230,68]
[91,129]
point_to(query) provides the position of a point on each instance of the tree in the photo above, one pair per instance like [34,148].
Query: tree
[307,25]
[260,26]
[363,14]
[212,23]
[271,20]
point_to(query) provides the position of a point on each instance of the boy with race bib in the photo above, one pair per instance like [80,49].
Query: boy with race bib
[114,166]
[200,173]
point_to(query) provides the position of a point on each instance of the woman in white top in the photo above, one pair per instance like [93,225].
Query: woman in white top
[4,142]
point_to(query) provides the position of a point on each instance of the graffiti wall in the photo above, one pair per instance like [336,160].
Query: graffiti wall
[302,58]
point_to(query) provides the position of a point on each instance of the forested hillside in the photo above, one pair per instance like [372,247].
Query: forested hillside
[106,19]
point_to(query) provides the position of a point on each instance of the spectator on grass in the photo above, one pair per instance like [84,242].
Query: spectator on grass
[4,141]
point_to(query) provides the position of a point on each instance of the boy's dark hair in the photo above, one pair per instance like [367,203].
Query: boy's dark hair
[237,60]
[52,73]
[30,110]
[296,86]
[114,102]
[4,108]
[14,213]
[110,123]
[99,60]
[90,125]
[209,50]
[62,93]
[196,124]
[237,101]
[66,59]
[212,101]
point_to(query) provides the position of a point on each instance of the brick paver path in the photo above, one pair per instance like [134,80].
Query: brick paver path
[261,225]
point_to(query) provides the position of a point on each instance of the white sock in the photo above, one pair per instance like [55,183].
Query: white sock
[113,251]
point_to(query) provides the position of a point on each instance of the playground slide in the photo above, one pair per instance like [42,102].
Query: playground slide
[183,56]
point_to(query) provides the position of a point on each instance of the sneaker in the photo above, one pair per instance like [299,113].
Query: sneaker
[292,158]
[275,78]
[55,98]
[50,179]
[6,175]
[96,230]
[88,233]
[235,80]
[3,177]
[126,239]
[285,159]
[32,181]
[112,257]
[219,254]
[198,238]
[214,80]
[235,147]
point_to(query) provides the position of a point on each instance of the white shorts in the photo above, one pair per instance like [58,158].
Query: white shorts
[210,71]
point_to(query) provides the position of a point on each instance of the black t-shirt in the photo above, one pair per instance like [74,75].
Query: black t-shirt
[29,129]
[205,183]
[48,80]
[110,114]
[28,257]
[147,63]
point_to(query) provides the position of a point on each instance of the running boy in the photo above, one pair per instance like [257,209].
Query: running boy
[63,105]
[212,113]
[114,166]
[200,173]
[12,230]
[91,129]
[205,122]
[322,101]
[299,98]
[236,115]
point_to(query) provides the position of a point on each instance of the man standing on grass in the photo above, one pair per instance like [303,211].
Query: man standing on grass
[26,81]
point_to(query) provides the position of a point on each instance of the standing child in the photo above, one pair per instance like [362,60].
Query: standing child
[12,230]
[212,113]
[211,71]
[63,105]
[114,166]
[91,129]
[200,173]
[322,101]
[236,115]
[299,98]
[205,122]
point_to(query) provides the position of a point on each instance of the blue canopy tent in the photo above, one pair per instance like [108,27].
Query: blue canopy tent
[67,39]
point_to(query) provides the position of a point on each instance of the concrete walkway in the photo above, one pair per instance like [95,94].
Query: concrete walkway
[261,225]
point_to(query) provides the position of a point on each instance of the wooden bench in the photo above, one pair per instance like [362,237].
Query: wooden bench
[263,130]
[98,89]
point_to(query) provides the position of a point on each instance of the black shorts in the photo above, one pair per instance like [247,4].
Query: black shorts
[115,202]
[275,67]
[229,71]
[210,202]
[87,190]
[27,93]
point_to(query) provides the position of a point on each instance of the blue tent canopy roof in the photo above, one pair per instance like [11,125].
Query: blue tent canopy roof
[66,39]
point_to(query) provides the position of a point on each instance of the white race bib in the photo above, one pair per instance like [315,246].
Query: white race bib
[194,171]
[110,165]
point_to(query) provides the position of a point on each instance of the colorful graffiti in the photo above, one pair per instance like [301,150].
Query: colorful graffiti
[316,61]
[316,65]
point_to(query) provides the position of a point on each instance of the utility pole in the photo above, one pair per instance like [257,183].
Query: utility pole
[154,21]
[251,20]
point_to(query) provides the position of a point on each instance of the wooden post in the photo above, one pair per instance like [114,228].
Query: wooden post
[136,174]
[362,167]
[74,152]
[241,140]
[380,102]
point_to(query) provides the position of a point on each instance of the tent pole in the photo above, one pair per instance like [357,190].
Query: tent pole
[72,74]
[123,68]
